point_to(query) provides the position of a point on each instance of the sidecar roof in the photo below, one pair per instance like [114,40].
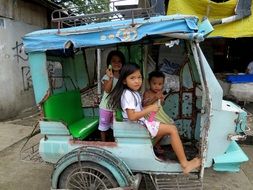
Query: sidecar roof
[111,32]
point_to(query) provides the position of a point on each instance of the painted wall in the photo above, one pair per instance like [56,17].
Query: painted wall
[17,18]
[15,84]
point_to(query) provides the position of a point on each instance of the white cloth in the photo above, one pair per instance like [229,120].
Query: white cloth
[250,67]
[131,100]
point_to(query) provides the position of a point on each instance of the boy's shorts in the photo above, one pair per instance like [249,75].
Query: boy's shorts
[105,119]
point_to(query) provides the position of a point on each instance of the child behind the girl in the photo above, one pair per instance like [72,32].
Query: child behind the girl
[115,61]
[126,96]
[155,94]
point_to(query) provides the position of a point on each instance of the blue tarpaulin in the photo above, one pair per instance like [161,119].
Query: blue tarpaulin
[240,78]
[110,32]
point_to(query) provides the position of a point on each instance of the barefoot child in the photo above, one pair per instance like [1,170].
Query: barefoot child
[115,60]
[126,96]
[155,95]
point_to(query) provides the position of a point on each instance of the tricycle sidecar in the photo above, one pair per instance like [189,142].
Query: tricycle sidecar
[66,65]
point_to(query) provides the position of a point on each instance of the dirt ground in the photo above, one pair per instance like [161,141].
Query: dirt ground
[16,174]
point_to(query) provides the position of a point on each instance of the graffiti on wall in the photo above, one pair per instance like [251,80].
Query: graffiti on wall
[18,48]
[54,69]
[26,78]
[22,58]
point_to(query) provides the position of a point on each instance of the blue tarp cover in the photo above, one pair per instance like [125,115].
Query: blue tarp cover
[239,78]
[111,32]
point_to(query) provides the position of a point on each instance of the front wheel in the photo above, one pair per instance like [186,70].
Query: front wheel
[88,176]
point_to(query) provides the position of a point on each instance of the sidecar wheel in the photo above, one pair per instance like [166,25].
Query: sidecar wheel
[87,175]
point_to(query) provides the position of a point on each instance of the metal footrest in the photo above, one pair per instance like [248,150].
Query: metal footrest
[30,150]
[31,154]
[177,181]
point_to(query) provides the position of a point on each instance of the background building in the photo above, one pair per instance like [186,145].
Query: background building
[16,19]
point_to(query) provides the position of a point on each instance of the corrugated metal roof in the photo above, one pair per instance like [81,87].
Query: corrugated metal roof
[48,4]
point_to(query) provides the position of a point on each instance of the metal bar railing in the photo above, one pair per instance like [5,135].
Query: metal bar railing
[73,17]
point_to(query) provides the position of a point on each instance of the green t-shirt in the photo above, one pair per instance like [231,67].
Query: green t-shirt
[104,101]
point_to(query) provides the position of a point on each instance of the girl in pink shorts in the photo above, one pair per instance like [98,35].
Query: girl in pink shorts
[115,60]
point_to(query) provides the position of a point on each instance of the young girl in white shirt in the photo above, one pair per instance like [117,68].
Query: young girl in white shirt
[126,96]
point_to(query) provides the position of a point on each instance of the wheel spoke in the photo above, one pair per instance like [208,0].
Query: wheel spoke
[80,178]
[99,186]
[75,178]
[83,177]
[71,185]
[90,180]
[97,183]
[74,181]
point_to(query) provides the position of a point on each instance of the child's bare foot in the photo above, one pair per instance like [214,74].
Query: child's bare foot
[191,165]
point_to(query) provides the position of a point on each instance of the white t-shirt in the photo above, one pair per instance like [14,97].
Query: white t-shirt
[250,67]
[131,100]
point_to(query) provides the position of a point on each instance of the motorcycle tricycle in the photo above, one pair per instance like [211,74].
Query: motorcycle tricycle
[66,66]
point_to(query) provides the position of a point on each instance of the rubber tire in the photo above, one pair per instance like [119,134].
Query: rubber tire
[63,179]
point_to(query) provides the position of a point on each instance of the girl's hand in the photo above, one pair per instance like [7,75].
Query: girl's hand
[109,73]
[153,108]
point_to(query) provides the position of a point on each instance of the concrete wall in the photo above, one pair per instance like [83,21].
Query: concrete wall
[25,11]
[17,18]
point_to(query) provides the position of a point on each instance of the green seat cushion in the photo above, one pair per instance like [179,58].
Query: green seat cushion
[66,106]
[118,115]
[84,127]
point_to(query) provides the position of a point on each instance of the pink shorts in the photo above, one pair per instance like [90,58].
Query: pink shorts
[152,127]
[105,119]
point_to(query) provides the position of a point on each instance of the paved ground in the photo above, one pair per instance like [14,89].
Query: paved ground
[242,180]
[17,174]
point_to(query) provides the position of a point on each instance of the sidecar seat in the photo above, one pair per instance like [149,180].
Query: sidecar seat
[66,107]
[137,131]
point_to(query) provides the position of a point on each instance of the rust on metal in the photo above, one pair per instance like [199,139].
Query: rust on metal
[93,143]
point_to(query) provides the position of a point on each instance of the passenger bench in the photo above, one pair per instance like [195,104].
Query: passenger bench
[66,107]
